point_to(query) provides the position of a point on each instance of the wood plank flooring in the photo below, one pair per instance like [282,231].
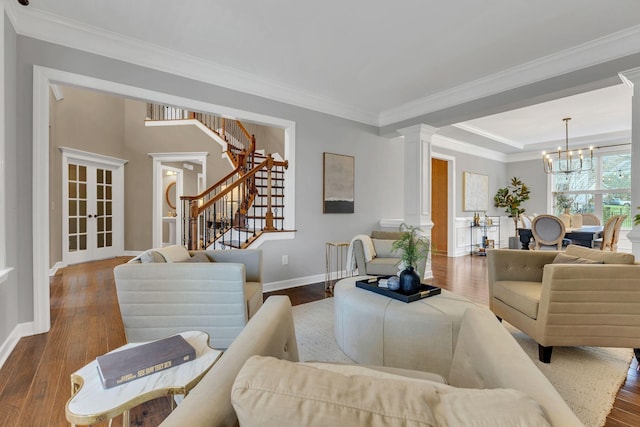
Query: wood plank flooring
[34,381]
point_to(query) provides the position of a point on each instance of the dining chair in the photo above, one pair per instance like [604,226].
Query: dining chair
[608,233]
[548,232]
[590,219]
[526,221]
[566,219]
[616,232]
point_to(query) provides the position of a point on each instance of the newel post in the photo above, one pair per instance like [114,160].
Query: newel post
[268,218]
[193,225]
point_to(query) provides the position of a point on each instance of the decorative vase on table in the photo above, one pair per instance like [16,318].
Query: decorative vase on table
[409,280]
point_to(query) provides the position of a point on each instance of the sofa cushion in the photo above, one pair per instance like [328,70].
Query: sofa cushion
[383,248]
[563,258]
[489,408]
[174,253]
[521,295]
[273,392]
[379,371]
[383,266]
[605,256]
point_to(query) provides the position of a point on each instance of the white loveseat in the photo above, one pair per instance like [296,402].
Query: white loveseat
[170,290]
[274,391]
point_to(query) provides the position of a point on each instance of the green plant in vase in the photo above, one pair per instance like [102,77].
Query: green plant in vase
[564,202]
[511,198]
[413,247]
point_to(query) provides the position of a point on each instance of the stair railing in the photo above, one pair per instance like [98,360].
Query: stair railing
[220,214]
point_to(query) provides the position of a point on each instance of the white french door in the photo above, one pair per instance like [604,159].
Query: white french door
[92,224]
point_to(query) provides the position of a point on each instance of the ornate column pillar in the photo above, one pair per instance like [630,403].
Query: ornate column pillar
[632,78]
[417,180]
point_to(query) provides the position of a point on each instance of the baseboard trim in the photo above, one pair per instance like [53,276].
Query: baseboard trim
[21,330]
[292,283]
[58,265]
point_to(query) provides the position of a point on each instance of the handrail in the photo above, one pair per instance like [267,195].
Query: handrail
[245,190]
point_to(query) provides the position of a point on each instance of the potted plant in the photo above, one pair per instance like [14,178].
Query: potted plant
[413,247]
[636,218]
[511,198]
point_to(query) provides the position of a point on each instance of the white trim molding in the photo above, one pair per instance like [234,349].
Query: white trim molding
[41,25]
[42,78]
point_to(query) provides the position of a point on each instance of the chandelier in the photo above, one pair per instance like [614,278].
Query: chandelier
[566,162]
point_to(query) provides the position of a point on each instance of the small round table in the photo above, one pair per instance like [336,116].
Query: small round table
[91,403]
[377,330]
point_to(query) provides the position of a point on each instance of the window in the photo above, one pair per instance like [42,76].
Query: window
[605,190]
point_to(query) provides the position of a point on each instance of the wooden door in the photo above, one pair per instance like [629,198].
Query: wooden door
[439,205]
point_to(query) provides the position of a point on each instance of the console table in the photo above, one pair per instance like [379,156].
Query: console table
[479,244]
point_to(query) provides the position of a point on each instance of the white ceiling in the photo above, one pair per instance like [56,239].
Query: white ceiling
[380,62]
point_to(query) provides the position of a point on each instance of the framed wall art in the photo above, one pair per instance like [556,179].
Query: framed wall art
[475,192]
[338,183]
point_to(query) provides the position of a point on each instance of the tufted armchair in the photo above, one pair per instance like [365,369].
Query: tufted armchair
[579,297]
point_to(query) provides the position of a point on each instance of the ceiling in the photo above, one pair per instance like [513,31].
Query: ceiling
[380,64]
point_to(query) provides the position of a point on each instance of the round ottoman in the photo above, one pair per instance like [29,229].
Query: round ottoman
[377,330]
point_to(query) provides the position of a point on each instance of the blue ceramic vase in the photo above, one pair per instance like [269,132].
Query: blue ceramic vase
[409,281]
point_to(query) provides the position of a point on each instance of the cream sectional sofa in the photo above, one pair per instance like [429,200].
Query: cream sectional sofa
[169,290]
[257,381]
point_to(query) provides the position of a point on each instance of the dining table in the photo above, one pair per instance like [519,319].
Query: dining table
[583,236]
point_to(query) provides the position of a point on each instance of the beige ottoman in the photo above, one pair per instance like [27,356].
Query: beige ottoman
[377,330]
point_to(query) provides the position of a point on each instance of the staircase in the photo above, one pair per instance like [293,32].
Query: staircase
[249,201]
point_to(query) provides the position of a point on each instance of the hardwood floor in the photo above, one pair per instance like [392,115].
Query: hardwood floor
[34,381]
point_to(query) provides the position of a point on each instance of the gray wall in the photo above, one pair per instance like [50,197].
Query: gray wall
[531,173]
[378,161]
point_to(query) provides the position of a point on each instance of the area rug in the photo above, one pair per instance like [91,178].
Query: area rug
[588,378]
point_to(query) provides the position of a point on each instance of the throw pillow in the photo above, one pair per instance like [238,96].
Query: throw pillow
[569,259]
[151,256]
[174,253]
[199,257]
[604,256]
[272,392]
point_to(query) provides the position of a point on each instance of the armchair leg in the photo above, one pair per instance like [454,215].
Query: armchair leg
[544,353]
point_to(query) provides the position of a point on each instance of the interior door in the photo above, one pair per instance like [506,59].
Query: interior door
[88,211]
[439,205]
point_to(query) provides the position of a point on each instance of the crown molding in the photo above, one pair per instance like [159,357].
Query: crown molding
[487,134]
[51,28]
[464,147]
[603,49]
[44,26]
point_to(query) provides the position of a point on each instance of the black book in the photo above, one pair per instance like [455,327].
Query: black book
[122,366]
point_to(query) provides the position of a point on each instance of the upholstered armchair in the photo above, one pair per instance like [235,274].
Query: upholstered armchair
[578,297]
[171,290]
[373,255]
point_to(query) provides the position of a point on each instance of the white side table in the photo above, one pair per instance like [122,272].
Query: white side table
[91,403]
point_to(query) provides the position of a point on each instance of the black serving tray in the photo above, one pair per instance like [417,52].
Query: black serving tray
[424,291]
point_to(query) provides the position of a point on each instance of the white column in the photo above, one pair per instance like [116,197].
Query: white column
[417,180]
[632,78]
